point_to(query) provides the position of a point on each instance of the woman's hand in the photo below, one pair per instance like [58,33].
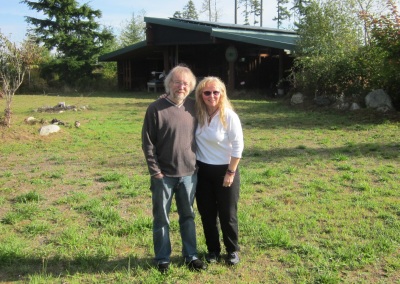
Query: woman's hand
[228,180]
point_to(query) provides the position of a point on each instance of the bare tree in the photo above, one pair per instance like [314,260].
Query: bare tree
[14,62]
[210,8]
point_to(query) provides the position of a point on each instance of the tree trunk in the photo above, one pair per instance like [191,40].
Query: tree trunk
[7,114]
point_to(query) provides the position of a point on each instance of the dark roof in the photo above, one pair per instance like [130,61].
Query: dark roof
[125,50]
[261,36]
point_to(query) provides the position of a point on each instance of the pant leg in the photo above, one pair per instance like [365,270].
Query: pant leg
[162,194]
[207,205]
[227,211]
[184,196]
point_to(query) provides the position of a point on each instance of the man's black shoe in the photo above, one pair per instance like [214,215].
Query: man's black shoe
[212,257]
[196,265]
[163,267]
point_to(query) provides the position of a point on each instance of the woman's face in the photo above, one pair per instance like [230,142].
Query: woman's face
[211,95]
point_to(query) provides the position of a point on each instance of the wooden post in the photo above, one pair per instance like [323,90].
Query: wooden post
[231,78]
[231,55]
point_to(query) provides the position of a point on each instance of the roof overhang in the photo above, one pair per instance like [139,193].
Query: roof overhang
[258,36]
[126,51]
[267,39]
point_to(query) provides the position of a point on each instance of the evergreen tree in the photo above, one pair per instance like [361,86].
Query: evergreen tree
[283,12]
[247,4]
[256,11]
[189,11]
[178,15]
[133,30]
[73,33]
[298,8]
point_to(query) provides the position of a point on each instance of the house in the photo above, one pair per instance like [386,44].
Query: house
[242,56]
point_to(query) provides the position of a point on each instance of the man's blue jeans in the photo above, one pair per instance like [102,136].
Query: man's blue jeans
[163,190]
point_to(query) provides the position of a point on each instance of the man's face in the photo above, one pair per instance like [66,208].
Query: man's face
[179,87]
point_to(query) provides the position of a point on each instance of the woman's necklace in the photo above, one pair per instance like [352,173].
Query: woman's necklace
[210,116]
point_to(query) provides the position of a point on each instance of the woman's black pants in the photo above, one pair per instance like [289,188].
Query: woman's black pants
[216,202]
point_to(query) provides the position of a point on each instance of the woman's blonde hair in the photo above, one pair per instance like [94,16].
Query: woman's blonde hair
[223,103]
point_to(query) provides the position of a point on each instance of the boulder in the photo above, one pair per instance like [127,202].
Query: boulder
[30,120]
[297,98]
[354,106]
[48,129]
[378,99]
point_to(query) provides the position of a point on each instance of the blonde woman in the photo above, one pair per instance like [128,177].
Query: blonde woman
[219,139]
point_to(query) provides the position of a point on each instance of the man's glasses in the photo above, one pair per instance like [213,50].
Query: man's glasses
[180,83]
[208,93]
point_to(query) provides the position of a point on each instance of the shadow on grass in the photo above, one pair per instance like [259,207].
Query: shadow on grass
[271,114]
[377,150]
[14,268]
[116,94]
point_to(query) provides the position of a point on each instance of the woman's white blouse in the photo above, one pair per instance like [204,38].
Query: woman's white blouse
[215,144]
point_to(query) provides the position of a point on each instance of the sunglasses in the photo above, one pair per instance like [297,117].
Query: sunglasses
[208,93]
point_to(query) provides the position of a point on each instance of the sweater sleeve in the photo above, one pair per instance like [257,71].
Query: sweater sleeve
[149,139]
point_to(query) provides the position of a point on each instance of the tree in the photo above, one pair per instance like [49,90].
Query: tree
[256,11]
[246,10]
[210,8]
[206,7]
[133,30]
[328,49]
[385,37]
[299,9]
[73,34]
[35,55]
[14,62]
[107,70]
[189,11]
[283,12]
[369,7]
[177,14]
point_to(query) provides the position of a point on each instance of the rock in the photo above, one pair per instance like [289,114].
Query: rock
[47,129]
[340,105]
[383,109]
[31,120]
[297,98]
[57,121]
[354,106]
[60,108]
[378,99]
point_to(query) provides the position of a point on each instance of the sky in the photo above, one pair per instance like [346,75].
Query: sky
[116,12]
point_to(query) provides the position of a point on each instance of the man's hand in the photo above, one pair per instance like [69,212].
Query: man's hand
[159,176]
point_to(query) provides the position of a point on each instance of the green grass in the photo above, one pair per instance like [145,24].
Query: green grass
[320,196]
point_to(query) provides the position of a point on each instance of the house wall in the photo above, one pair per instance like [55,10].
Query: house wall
[257,73]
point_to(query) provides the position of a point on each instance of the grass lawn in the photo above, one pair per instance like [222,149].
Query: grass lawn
[320,196]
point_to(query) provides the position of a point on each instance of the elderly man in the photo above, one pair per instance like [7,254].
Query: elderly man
[169,147]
